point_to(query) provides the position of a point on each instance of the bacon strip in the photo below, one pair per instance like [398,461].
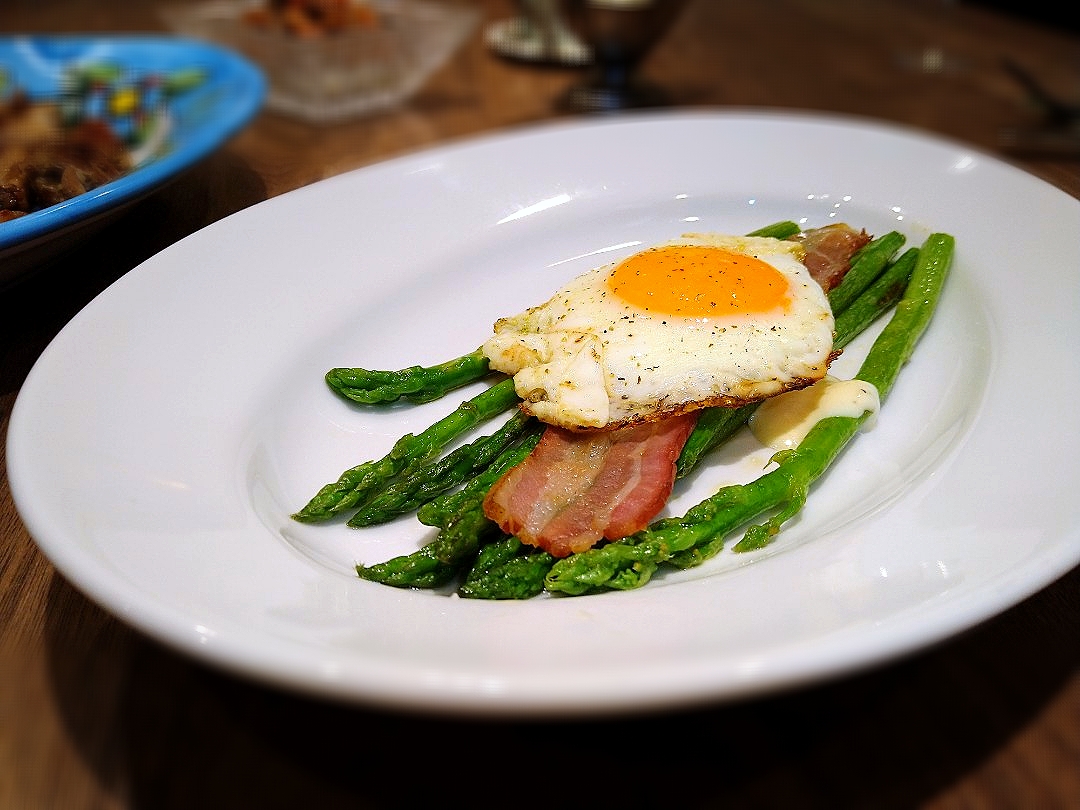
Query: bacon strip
[829,250]
[576,488]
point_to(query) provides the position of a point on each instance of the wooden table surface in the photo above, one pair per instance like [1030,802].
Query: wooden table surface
[95,715]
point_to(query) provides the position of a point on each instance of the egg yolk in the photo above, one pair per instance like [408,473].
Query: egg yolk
[698,281]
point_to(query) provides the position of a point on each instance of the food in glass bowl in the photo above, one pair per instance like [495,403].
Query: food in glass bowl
[312,18]
[330,60]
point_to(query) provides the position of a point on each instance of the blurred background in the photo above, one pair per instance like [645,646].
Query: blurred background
[401,75]
[502,63]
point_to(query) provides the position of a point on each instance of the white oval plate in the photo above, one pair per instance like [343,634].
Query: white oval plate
[162,440]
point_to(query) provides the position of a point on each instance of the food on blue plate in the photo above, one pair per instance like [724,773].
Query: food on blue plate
[100,122]
[44,161]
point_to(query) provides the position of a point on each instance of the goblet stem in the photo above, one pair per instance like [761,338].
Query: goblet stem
[620,34]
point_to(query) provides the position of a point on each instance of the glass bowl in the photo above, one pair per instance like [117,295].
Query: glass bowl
[341,74]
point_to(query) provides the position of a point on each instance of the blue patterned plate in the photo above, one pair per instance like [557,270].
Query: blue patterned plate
[172,100]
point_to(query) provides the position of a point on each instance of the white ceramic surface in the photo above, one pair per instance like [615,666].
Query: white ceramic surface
[160,443]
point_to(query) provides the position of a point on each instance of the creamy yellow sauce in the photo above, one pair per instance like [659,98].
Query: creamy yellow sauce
[781,422]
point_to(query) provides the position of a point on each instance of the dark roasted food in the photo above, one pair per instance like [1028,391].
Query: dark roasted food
[44,162]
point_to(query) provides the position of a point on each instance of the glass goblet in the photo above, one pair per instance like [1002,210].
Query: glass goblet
[620,34]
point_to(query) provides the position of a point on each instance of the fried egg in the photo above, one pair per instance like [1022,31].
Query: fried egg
[704,320]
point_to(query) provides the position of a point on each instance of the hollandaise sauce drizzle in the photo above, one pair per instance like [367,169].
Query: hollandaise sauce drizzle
[781,422]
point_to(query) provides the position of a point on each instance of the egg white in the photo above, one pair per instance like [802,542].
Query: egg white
[588,359]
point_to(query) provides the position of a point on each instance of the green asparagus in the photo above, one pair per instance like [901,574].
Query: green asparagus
[416,384]
[507,570]
[421,569]
[714,426]
[424,479]
[880,296]
[778,230]
[462,531]
[445,509]
[866,266]
[463,527]
[357,484]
